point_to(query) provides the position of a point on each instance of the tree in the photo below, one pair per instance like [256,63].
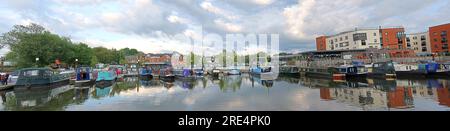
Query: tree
[18,32]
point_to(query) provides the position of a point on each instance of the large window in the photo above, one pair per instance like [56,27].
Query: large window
[31,73]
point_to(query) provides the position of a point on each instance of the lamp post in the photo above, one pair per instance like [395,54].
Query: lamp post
[138,66]
[37,59]
[76,63]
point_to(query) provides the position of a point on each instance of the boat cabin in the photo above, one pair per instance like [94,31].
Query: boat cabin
[83,73]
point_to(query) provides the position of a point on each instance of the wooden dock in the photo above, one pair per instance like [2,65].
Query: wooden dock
[5,87]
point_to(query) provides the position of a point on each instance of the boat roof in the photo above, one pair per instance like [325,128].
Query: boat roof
[42,68]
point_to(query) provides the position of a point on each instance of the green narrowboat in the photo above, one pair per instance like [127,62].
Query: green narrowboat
[36,77]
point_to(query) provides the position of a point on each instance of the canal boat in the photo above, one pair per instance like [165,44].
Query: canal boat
[408,70]
[215,73]
[146,72]
[383,70]
[234,72]
[434,69]
[38,77]
[187,74]
[105,77]
[167,75]
[263,73]
[443,70]
[327,73]
[199,73]
[84,77]
[290,71]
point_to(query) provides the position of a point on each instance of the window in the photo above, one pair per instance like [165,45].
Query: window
[340,39]
[341,44]
[415,38]
[335,40]
[375,40]
[336,45]
[443,33]
[435,40]
[363,42]
[386,33]
[346,37]
[31,73]
[374,34]
[434,33]
[423,38]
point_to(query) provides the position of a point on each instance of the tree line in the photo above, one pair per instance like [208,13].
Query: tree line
[28,42]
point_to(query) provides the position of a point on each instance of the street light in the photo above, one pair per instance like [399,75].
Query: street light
[37,59]
[76,63]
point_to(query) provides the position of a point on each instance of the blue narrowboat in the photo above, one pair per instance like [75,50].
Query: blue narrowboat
[84,77]
[105,78]
[146,72]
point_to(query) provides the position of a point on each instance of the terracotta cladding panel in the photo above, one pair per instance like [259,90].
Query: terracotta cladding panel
[437,37]
[321,43]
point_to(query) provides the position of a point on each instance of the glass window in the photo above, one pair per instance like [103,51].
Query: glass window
[31,73]
[374,34]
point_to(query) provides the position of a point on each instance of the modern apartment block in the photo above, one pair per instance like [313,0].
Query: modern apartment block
[393,38]
[435,40]
[439,38]
[356,39]
[419,42]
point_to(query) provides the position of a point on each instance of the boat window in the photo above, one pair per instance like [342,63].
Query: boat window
[31,73]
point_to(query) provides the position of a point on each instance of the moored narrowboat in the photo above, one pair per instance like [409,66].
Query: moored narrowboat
[383,70]
[37,77]
[84,77]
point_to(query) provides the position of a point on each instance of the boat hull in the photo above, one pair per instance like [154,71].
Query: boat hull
[104,83]
[84,83]
[42,85]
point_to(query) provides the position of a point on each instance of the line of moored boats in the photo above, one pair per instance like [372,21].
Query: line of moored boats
[389,69]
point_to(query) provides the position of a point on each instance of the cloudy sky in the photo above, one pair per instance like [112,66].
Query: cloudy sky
[149,25]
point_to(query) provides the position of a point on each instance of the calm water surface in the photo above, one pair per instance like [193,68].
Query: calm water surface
[238,93]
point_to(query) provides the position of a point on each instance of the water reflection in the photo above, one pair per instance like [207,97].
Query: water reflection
[238,93]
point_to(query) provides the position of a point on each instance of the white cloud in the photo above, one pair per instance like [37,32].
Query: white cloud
[206,5]
[263,2]
[228,26]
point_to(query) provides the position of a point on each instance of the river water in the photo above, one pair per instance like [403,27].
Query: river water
[237,93]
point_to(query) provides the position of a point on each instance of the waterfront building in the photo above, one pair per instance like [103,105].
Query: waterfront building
[419,42]
[439,38]
[350,40]
[393,38]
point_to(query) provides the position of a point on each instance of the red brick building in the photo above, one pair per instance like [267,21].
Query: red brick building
[321,43]
[439,38]
[393,38]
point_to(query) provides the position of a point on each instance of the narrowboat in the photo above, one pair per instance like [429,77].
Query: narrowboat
[408,70]
[187,75]
[434,69]
[383,70]
[146,72]
[234,72]
[37,77]
[105,78]
[167,75]
[215,73]
[263,73]
[327,73]
[83,77]
[199,72]
[290,71]
[353,72]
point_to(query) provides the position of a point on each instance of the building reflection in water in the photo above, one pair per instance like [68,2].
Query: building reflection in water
[379,94]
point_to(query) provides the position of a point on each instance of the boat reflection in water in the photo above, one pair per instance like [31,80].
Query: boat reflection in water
[238,92]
